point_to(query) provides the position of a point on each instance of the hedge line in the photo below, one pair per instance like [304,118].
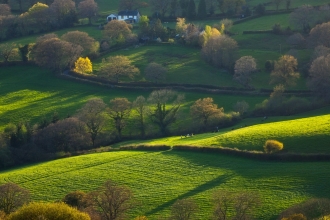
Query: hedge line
[258,32]
[257,155]
[145,147]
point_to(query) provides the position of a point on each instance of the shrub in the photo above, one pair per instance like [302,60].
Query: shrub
[272,146]
[269,65]
[295,217]
[39,210]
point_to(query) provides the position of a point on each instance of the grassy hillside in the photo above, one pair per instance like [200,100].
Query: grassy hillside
[304,135]
[158,179]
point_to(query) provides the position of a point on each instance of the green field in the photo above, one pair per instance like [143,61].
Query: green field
[158,179]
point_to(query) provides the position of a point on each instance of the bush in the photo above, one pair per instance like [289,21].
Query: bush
[39,210]
[295,217]
[272,146]
[269,65]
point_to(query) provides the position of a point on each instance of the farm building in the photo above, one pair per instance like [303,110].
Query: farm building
[128,16]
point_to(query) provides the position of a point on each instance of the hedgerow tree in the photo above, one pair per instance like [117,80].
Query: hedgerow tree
[241,107]
[244,67]
[140,106]
[41,210]
[272,146]
[82,39]
[165,105]
[119,110]
[116,67]
[203,109]
[112,201]
[184,209]
[12,196]
[285,71]
[155,72]
[77,199]
[319,73]
[83,65]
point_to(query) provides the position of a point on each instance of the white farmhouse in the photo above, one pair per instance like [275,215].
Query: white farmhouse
[127,16]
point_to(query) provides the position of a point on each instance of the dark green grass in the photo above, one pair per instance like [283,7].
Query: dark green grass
[158,179]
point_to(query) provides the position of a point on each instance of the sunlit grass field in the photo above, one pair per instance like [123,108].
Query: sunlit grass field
[304,135]
[158,179]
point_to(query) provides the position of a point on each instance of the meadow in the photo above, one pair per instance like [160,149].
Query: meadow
[158,179]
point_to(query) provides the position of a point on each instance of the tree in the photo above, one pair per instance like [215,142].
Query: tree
[4,10]
[244,205]
[191,13]
[83,65]
[155,72]
[241,107]
[56,54]
[38,15]
[12,196]
[277,3]
[285,71]
[203,109]
[140,105]
[272,146]
[222,201]
[41,210]
[8,51]
[112,201]
[303,17]
[276,98]
[77,199]
[201,9]
[64,12]
[115,29]
[244,67]
[220,51]
[88,9]
[166,104]
[82,39]
[319,73]
[144,24]
[184,209]
[118,66]
[320,35]
[180,26]
[287,4]
[296,39]
[207,34]
[131,4]
[160,6]
[92,115]
[320,51]
[119,110]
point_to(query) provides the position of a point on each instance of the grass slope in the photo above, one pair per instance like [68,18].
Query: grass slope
[158,179]
[304,135]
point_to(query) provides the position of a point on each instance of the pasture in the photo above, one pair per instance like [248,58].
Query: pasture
[158,179]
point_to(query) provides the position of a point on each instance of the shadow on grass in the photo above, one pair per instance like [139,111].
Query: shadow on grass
[206,186]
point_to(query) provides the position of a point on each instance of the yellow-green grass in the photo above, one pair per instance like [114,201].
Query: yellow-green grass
[304,135]
[29,93]
[158,179]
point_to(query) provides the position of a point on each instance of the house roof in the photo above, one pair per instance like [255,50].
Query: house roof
[112,15]
[128,13]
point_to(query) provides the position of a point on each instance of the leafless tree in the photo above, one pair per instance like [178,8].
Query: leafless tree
[285,71]
[320,35]
[140,106]
[112,201]
[155,72]
[4,10]
[12,196]
[222,201]
[319,81]
[82,39]
[203,109]
[241,107]
[92,114]
[88,9]
[184,209]
[119,110]
[245,203]
[165,106]
[244,67]
[303,17]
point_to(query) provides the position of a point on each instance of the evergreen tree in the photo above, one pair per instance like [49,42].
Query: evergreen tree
[191,10]
[202,9]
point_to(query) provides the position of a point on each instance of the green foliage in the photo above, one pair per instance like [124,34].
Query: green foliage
[201,9]
[272,146]
[37,210]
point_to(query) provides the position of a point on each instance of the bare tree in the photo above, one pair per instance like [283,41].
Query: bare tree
[320,35]
[285,71]
[4,10]
[203,109]
[8,51]
[241,107]
[166,104]
[184,209]
[92,115]
[56,54]
[119,110]
[303,17]
[88,9]
[222,201]
[112,201]
[140,105]
[82,39]
[319,81]
[220,51]
[117,67]
[155,72]
[12,196]
[244,67]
